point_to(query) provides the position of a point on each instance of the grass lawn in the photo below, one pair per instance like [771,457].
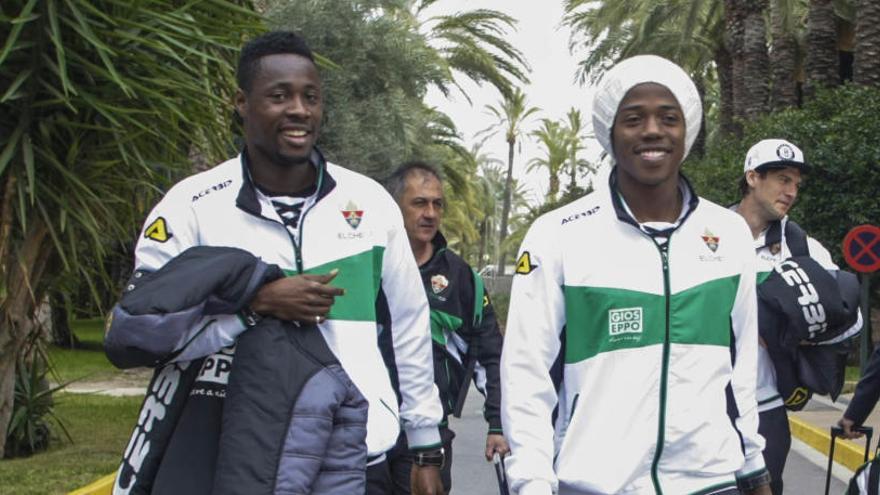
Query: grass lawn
[87,362]
[100,427]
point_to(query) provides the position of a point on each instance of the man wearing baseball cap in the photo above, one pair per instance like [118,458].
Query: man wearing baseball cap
[769,186]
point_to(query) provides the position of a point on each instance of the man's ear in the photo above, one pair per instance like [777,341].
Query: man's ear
[752,178]
[240,103]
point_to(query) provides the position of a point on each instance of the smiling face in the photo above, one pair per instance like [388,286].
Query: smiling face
[422,206]
[775,192]
[649,137]
[282,110]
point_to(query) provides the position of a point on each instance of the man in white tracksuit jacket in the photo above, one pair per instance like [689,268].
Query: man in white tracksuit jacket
[646,295]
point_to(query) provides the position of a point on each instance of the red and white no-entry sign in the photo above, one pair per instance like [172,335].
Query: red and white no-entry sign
[861,248]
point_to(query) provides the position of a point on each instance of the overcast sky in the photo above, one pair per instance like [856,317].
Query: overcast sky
[553,88]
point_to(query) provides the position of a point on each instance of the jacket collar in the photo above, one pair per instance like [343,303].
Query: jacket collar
[774,232]
[439,245]
[625,217]
[247,198]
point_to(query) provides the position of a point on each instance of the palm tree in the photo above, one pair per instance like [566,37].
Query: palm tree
[867,56]
[556,141]
[783,53]
[473,43]
[822,63]
[511,114]
[687,31]
[755,75]
[103,102]
[574,130]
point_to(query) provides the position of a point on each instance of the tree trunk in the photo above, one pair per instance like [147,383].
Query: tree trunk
[484,236]
[724,66]
[554,187]
[699,147]
[867,53]
[822,60]
[62,336]
[505,210]
[734,43]
[755,60]
[783,60]
[23,267]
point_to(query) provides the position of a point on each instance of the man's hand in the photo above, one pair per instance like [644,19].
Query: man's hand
[495,442]
[848,425]
[425,480]
[304,298]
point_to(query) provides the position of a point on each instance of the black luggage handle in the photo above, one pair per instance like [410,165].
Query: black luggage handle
[837,431]
[501,473]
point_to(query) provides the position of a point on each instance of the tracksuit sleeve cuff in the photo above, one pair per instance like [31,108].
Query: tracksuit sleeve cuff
[536,487]
[424,438]
[495,425]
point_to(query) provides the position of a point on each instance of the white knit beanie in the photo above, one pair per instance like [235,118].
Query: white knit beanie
[639,70]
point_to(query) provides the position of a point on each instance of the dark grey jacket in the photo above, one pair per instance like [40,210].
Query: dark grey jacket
[292,422]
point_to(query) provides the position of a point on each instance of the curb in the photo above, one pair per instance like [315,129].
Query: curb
[103,486]
[846,453]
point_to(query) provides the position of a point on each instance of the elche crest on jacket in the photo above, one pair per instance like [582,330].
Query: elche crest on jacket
[711,240]
[439,283]
[352,215]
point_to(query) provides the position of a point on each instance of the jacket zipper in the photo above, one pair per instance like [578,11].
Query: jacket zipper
[661,421]
[297,245]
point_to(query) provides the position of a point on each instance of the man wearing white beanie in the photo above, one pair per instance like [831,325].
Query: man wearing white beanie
[630,353]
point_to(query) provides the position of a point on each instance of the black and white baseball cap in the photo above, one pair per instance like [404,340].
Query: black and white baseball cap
[774,153]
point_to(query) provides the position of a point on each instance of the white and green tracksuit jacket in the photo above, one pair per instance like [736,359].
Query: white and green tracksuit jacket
[354,226]
[649,338]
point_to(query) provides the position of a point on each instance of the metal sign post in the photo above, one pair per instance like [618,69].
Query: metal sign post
[861,249]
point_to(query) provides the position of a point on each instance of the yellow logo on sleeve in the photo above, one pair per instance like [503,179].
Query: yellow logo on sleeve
[524,264]
[158,231]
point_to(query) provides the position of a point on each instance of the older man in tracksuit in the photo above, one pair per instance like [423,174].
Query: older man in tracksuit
[465,335]
[645,293]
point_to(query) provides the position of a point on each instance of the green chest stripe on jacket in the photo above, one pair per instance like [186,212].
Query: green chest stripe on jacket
[441,323]
[761,277]
[360,275]
[602,320]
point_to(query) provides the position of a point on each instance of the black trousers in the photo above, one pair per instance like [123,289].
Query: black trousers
[392,477]
[773,426]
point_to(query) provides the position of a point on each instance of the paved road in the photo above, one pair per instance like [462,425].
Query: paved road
[472,475]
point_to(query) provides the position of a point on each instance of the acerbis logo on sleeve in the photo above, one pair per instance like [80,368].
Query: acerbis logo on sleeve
[524,264]
[625,320]
[158,231]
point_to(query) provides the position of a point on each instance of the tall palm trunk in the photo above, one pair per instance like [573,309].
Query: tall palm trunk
[553,190]
[734,42]
[783,63]
[505,209]
[822,61]
[724,66]
[867,56]
[484,238]
[755,60]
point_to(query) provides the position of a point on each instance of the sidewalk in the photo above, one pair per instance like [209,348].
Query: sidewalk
[812,426]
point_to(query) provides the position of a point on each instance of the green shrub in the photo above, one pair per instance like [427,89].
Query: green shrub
[33,407]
